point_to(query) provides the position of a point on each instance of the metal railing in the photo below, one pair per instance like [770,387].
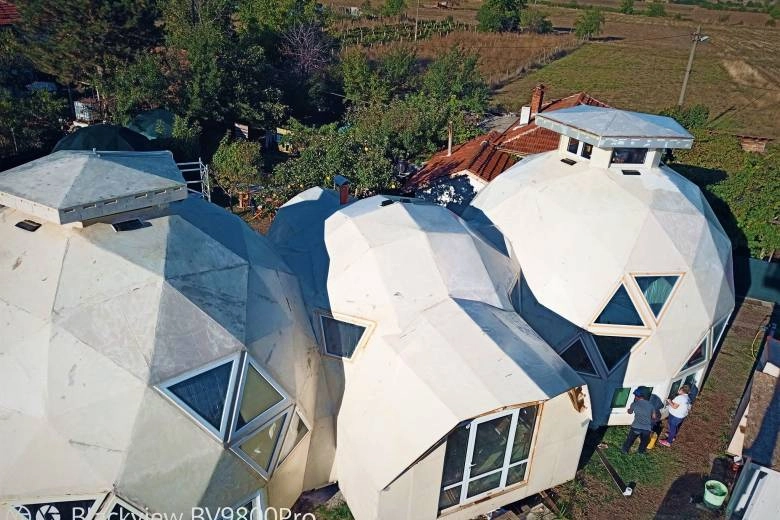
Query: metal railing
[203,172]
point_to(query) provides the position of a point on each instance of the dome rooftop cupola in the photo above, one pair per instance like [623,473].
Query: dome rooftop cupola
[78,186]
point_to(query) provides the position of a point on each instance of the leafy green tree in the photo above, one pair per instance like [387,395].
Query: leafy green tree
[139,86]
[393,7]
[80,40]
[236,165]
[362,83]
[627,6]
[656,9]
[692,117]
[589,24]
[30,122]
[499,15]
[455,76]
[535,21]
[184,142]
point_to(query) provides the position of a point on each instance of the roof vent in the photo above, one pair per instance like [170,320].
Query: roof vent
[570,162]
[28,225]
[631,172]
[129,225]
[386,202]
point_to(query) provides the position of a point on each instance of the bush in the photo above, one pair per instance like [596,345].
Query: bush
[535,21]
[656,9]
[589,23]
[627,7]
[499,15]
[692,117]
[236,165]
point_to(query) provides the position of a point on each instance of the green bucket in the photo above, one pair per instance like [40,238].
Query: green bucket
[715,493]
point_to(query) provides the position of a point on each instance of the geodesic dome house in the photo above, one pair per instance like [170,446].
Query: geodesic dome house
[625,269]
[445,402]
[155,354]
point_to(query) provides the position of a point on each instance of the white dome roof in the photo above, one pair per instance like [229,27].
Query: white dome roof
[579,232]
[92,319]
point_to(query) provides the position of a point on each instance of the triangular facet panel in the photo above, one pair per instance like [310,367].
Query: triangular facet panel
[614,349]
[205,393]
[578,359]
[258,395]
[620,310]
[259,449]
[698,356]
[341,338]
[656,290]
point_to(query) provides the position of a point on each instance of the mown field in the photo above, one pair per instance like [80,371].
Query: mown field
[638,62]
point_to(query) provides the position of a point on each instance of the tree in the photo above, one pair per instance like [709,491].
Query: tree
[499,15]
[139,86]
[455,76]
[656,9]
[692,117]
[627,6]
[31,122]
[80,40]
[307,46]
[589,24]
[393,7]
[236,165]
[535,21]
[184,142]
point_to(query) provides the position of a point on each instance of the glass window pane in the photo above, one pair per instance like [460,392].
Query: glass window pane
[490,445]
[587,150]
[578,359]
[484,484]
[524,432]
[260,447]
[206,393]
[614,349]
[516,474]
[449,497]
[656,290]
[341,338]
[620,310]
[455,456]
[629,155]
[675,387]
[295,433]
[698,355]
[65,510]
[258,396]
[573,145]
[717,333]
[620,397]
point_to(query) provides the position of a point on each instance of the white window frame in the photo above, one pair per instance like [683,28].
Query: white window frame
[655,319]
[236,448]
[51,499]
[580,145]
[504,469]
[604,328]
[220,434]
[639,342]
[697,371]
[596,366]
[114,500]
[631,397]
[715,345]
[625,165]
[265,417]
[290,431]
[368,325]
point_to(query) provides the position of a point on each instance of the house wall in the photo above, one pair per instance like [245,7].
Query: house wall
[556,453]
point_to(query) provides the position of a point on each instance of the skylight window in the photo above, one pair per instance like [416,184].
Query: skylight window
[577,358]
[130,225]
[341,338]
[28,225]
[620,310]
[656,290]
[205,393]
[614,349]
[259,398]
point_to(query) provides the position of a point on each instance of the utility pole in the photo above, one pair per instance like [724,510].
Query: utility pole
[416,19]
[697,37]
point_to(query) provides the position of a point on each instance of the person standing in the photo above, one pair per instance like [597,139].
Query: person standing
[644,416]
[679,407]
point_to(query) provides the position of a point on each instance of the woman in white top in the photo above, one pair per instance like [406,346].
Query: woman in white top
[679,407]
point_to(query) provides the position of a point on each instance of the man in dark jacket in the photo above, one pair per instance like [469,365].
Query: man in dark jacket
[645,414]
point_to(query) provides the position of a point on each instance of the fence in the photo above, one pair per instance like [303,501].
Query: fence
[203,177]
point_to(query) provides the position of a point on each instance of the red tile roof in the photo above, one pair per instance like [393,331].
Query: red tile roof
[8,13]
[489,155]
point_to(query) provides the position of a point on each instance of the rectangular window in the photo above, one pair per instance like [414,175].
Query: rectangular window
[629,155]
[587,150]
[620,397]
[573,145]
[487,454]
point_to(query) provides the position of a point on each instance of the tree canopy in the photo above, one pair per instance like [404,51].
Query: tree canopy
[589,24]
[499,15]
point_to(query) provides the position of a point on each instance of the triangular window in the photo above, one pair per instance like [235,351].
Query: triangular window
[341,338]
[656,290]
[620,310]
[205,394]
[698,356]
[614,349]
[260,448]
[258,395]
[577,357]
[57,510]
[295,434]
